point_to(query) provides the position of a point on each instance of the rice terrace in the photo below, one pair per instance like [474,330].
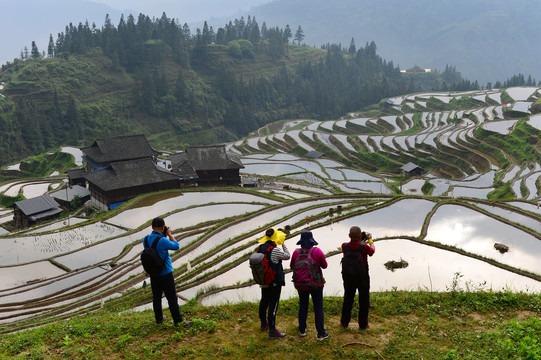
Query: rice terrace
[478,186]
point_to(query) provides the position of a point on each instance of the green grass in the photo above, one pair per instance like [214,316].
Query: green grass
[404,325]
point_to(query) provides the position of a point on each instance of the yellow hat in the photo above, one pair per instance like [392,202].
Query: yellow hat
[277,237]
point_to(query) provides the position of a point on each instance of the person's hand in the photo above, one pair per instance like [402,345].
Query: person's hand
[369,236]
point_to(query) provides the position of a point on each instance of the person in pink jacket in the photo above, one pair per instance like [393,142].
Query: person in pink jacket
[307,244]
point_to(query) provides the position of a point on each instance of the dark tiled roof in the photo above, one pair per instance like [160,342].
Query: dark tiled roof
[207,158]
[181,166]
[72,191]
[119,148]
[127,174]
[76,173]
[410,166]
[38,207]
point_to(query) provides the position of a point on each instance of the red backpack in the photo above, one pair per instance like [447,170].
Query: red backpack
[260,263]
[306,273]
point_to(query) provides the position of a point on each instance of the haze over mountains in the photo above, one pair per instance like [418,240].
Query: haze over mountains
[487,40]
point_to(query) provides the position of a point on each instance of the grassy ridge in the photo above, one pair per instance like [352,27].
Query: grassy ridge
[453,325]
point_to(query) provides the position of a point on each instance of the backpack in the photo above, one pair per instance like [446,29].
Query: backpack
[260,264]
[353,264]
[152,262]
[306,273]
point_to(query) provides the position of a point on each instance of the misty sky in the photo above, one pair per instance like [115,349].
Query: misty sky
[185,10]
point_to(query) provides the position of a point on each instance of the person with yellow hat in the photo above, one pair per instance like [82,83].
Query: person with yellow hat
[270,294]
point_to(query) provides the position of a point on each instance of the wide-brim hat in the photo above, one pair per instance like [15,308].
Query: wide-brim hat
[307,239]
[277,237]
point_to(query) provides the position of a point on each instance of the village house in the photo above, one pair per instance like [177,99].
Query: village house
[76,177]
[65,196]
[120,148]
[35,210]
[120,181]
[213,165]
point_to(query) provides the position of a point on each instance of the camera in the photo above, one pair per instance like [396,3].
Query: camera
[364,236]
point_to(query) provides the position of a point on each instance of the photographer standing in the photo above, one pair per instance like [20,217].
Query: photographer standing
[355,275]
[163,283]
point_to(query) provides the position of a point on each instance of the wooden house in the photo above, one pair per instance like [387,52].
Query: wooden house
[120,148]
[124,180]
[213,165]
[412,170]
[77,177]
[65,196]
[35,210]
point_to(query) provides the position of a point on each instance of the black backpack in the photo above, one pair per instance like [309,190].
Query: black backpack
[353,264]
[152,262]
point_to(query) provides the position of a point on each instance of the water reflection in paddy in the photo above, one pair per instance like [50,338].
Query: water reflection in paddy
[34,190]
[193,216]
[535,121]
[31,248]
[502,127]
[133,218]
[429,269]
[100,252]
[476,233]
[249,225]
[335,174]
[515,217]
[54,287]
[271,169]
[526,206]
[460,191]
[368,186]
[19,275]
[359,176]
[57,225]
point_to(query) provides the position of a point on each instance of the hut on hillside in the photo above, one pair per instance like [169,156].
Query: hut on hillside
[213,165]
[412,170]
[35,210]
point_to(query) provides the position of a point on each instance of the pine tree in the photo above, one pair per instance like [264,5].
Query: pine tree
[50,48]
[299,35]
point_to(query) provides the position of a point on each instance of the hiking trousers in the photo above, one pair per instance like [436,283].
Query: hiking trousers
[268,306]
[350,288]
[317,301]
[165,285]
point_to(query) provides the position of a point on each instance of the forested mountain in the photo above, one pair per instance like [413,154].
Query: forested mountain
[487,40]
[156,76]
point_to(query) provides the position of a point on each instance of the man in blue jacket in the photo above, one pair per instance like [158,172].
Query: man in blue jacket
[164,283]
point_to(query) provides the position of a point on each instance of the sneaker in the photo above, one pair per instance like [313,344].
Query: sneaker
[322,337]
[302,334]
[159,322]
[276,334]
[264,326]
[345,326]
[366,327]
[185,324]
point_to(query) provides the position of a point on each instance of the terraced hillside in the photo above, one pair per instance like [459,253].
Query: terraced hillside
[76,265]
[485,147]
